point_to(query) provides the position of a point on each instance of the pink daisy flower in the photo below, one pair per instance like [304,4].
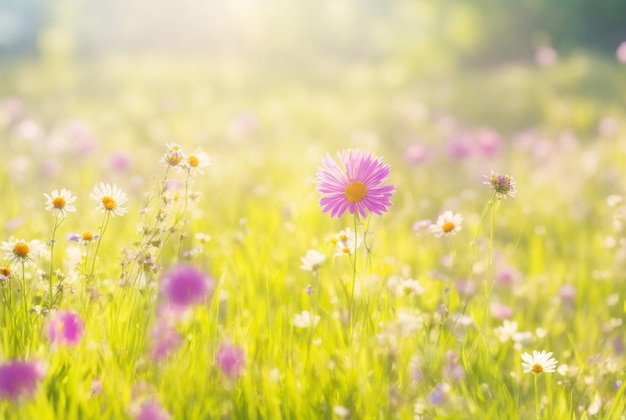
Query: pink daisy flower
[20,378]
[355,184]
[65,328]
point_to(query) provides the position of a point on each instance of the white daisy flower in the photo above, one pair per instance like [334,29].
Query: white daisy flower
[174,157]
[539,362]
[21,251]
[344,242]
[60,202]
[110,198]
[447,224]
[196,161]
[312,260]
[305,320]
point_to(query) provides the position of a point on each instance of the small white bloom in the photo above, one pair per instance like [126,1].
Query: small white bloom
[21,251]
[539,362]
[305,320]
[344,242]
[109,198]
[447,224]
[312,260]
[196,161]
[60,202]
[341,411]
[506,331]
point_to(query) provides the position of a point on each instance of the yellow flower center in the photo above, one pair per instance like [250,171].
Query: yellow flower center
[346,250]
[448,227]
[58,202]
[21,249]
[108,202]
[87,236]
[5,271]
[355,191]
[193,161]
[537,368]
[174,159]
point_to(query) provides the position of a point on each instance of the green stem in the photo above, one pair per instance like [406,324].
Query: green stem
[105,222]
[57,223]
[537,405]
[353,277]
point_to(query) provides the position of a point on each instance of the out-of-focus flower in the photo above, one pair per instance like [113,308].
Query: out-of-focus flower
[620,53]
[356,184]
[65,327]
[344,242]
[231,360]
[60,202]
[312,260]
[417,154]
[109,198]
[183,285]
[174,157]
[148,409]
[19,379]
[196,161]
[305,320]
[546,56]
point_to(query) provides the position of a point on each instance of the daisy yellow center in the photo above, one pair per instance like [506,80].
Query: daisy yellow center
[355,191]
[58,202]
[21,249]
[5,271]
[174,159]
[448,227]
[87,236]
[193,161]
[108,202]
[537,368]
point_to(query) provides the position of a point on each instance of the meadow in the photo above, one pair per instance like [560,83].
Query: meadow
[188,271]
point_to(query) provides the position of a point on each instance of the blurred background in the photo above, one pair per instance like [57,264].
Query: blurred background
[422,33]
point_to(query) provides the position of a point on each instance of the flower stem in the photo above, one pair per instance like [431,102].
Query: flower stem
[537,405]
[105,222]
[57,223]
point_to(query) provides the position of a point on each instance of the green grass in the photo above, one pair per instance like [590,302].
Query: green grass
[259,206]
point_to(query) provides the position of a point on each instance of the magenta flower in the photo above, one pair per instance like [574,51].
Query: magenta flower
[165,340]
[355,184]
[149,410]
[231,359]
[65,328]
[621,52]
[183,285]
[19,378]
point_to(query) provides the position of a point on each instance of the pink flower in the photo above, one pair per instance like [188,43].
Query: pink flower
[183,285]
[621,52]
[546,56]
[501,311]
[165,339]
[65,328]
[417,154]
[19,378]
[231,359]
[356,184]
[149,410]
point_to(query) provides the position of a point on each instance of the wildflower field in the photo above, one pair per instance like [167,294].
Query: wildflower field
[205,239]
